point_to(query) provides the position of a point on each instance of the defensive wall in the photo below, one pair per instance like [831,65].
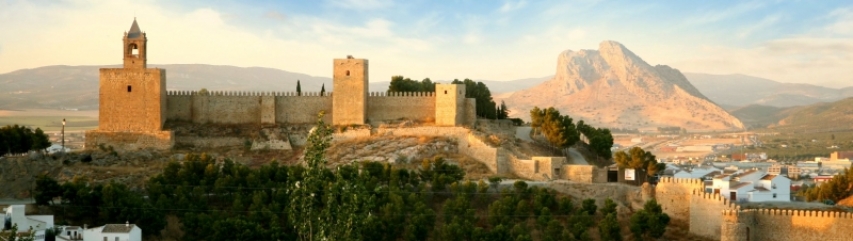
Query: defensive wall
[583,173]
[712,216]
[240,107]
[777,224]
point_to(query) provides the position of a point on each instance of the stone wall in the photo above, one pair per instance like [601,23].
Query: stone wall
[302,109]
[674,195]
[470,112]
[128,141]
[209,142]
[583,173]
[777,224]
[706,213]
[539,168]
[418,106]
[247,108]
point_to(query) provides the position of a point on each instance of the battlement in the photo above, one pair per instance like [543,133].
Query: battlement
[803,213]
[401,94]
[692,181]
[245,93]
[715,197]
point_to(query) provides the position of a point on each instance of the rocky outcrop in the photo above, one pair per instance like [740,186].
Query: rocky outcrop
[613,87]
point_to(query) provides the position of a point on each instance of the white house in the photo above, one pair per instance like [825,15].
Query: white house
[70,233]
[113,232]
[36,223]
[771,188]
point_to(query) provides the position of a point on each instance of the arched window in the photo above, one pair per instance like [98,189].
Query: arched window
[347,72]
[445,92]
[128,89]
[133,50]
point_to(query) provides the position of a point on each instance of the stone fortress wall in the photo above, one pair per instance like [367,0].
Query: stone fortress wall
[714,217]
[230,107]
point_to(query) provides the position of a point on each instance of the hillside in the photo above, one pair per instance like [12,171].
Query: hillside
[819,117]
[759,116]
[743,90]
[612,87]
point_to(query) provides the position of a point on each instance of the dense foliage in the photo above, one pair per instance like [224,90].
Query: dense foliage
[834,190]
[559,130]
[650,222]
[401,84]
[600,140]
[223,200]
[640,160]
[19,139]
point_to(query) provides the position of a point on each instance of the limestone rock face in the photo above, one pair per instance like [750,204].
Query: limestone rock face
[613,87]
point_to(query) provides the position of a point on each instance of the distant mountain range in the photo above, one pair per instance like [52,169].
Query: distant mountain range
[733,91]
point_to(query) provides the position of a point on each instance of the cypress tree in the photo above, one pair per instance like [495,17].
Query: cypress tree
[298,88]
[323,89]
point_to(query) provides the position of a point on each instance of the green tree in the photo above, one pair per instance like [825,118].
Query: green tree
[609,228]
[298,88]
[650,222]
[588,206]
[40,140]
[639,159]
[323,90]
[203,92]
[46,189]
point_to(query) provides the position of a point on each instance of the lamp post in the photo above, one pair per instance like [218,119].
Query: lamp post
[63,136]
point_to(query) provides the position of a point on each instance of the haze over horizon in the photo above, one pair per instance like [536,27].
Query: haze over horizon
[794,42]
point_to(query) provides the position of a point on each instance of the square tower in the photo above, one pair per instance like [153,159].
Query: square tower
[133,98]
[449,104]
[349,100]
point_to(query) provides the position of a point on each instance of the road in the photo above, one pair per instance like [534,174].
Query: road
[523,132]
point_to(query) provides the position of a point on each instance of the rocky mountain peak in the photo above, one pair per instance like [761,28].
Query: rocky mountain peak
[614,87]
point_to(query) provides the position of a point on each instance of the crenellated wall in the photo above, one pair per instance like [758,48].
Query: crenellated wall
[240,107]
[713,217]
[705,216]
[418,106]
[674,195]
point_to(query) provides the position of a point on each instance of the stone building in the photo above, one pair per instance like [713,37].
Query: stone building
[134,103]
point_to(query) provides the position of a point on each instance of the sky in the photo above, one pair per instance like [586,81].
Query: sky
[787,41]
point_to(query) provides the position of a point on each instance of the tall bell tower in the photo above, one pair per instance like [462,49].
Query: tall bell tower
[135,56]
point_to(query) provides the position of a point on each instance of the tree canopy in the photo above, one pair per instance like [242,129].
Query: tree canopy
[834,190]
[639,159]
[20,139]
[559,130]
[401,84]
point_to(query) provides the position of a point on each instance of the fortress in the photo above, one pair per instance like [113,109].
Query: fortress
[714,217]
[135,105]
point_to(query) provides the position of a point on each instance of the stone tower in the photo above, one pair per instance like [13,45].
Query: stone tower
[349,101]
[449,104]
[132,100]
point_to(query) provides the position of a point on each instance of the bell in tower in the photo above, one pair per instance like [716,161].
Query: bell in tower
[134,48]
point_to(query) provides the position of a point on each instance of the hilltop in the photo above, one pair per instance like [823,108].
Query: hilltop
[613,87]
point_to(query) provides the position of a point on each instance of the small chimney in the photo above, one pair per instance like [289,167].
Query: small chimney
[126,224]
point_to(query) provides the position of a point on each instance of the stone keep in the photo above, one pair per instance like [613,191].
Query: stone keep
[449,104]
[132,100]
[349,101]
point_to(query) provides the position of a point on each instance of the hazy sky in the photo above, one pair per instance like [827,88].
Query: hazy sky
[787,41]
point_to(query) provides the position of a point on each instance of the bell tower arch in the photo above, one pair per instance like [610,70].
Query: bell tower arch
[135,49]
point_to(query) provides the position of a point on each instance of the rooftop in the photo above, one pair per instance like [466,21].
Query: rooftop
[134,31]
[768,177]
[738,185]
[118,228]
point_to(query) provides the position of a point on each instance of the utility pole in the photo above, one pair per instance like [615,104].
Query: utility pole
[63,136]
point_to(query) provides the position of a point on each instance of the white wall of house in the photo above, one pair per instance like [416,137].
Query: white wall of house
[97,234]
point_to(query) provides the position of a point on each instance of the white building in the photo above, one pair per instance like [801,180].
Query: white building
[751,186]
[113,232]
[771,188]
[35,223]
